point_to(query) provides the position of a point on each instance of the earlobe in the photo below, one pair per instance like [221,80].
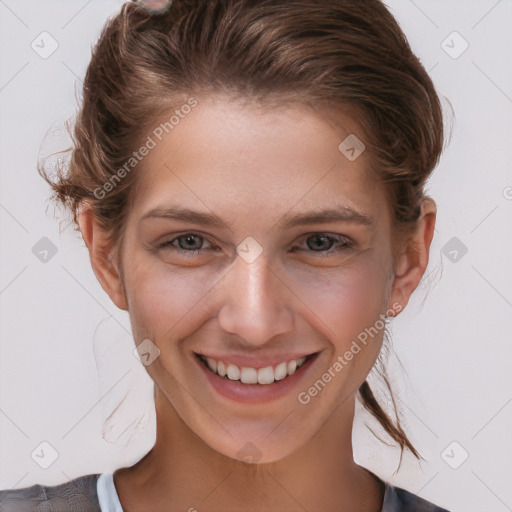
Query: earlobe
[102,257]
[412,263]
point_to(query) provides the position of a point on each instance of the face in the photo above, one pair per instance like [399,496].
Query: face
[254,246]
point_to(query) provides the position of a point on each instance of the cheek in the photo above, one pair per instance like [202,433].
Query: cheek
[161,298]
[347,301]
[342,302]
[349,306]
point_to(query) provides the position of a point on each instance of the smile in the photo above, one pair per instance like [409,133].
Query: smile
[248,375]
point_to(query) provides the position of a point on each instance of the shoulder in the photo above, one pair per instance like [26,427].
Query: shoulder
[400,500]
[79,495]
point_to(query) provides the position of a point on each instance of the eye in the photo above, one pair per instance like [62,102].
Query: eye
[189,244]
[192,244]
[322,243]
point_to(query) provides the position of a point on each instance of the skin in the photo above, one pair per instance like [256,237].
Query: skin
[252,166]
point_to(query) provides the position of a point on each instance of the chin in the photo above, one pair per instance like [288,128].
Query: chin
[254,452]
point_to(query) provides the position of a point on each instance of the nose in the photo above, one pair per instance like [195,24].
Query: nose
[256,303]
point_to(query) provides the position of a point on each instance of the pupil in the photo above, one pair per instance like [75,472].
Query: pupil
[189,240]
[318,241]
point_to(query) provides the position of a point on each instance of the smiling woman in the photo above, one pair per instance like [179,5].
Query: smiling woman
[272,222]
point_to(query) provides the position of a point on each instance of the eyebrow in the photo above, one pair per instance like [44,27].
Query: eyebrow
[320,216]
[324,216]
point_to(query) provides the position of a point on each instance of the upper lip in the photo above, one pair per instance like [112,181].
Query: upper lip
[256,362]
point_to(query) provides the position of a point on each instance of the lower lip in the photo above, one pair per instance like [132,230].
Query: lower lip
[255,393]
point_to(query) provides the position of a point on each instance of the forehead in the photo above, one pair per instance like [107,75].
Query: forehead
[245,161]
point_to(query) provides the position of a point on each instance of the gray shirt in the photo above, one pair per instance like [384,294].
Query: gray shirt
[81,495]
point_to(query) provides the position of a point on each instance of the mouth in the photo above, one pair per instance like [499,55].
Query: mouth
[249,375]
[255,385]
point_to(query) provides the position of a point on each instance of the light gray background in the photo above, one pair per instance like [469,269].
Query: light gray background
[453,339]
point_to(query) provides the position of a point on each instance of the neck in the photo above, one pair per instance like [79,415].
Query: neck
[321,475]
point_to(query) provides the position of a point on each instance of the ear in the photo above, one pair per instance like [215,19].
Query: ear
[103,257]
[412,260]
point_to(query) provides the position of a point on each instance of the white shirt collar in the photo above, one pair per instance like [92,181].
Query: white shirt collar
[107,494]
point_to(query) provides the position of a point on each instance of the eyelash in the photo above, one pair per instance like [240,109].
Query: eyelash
[345,242]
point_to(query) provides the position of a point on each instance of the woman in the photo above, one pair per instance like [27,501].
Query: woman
[248,177]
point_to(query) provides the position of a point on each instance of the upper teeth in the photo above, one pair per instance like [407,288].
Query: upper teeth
[246,375]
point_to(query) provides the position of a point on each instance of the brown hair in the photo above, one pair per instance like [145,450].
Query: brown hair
[333,54]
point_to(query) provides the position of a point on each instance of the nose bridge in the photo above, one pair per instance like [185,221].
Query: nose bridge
[254,306]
